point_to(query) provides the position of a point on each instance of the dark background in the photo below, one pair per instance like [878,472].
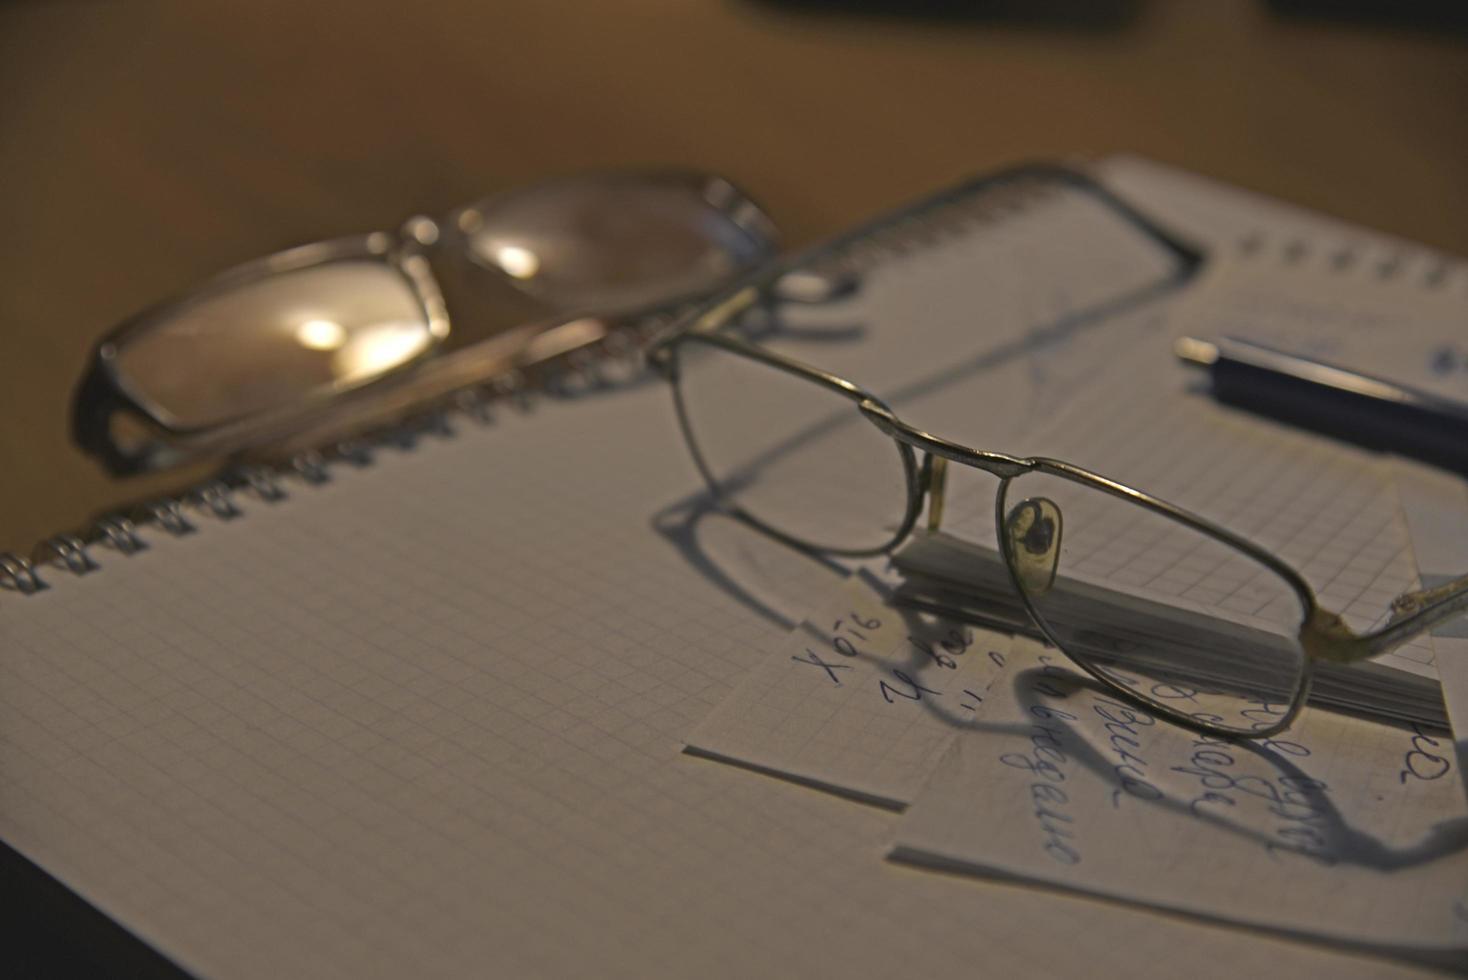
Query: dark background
[144,146]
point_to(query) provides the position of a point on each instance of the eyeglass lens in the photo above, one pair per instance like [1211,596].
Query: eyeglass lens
[790,453]
[276,341]
[615,243]
[1193,626]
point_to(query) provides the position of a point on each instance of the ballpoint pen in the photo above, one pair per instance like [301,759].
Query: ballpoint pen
[1346,404]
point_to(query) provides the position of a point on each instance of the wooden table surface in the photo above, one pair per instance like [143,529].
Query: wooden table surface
[144,146]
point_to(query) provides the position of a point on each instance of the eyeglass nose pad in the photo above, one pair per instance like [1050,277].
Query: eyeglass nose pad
[1032,531]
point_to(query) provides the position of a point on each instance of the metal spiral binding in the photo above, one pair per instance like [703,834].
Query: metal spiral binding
[614,360]
[217,498]
[357,452]
[1437,276]
[121,534]
[311,467]
[19,574]
[1344,258]
[925,229]
[261,481]
[168,514]
[69,550]
[473,403]
[1431,270]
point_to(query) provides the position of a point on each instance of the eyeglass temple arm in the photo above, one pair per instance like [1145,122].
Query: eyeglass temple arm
[1327,637]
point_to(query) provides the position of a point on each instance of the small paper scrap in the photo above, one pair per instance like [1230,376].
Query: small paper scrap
[862,699]
[1342,828]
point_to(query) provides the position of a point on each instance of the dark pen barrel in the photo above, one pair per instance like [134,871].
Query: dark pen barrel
[1421,431]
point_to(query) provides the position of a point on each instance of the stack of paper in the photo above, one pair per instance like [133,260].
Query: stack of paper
[968,581]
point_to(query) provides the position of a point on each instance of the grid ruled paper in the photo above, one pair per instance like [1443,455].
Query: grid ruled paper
[426,720]
[862,698]
[1330,510]
[309,742]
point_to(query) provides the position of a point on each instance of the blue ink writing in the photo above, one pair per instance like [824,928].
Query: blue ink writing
[1044,762]
[1421,761]
[1121,723]
[916,689]
[816,661]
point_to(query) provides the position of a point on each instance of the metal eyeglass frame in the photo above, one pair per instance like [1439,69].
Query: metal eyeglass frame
[1323,635]
[334,411]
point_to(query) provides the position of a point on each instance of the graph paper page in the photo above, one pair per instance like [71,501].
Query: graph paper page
[390,726]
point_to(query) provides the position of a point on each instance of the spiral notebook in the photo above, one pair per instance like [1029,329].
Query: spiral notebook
[425,716]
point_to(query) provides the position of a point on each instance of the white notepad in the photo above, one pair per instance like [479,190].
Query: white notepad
[426,720]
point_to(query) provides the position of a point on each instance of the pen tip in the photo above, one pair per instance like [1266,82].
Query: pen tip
[1195,351]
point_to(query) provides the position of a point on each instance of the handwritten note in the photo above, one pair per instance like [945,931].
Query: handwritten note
[1435,504]
[1339,827]
[862,699]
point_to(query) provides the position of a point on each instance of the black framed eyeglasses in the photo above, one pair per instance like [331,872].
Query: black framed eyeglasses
[320,340]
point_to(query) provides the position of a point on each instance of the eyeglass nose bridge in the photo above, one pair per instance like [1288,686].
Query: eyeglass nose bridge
[1032,528]
[933,478]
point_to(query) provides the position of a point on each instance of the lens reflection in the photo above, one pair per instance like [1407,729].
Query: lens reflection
[274,342]
[613,243]
[321,334]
